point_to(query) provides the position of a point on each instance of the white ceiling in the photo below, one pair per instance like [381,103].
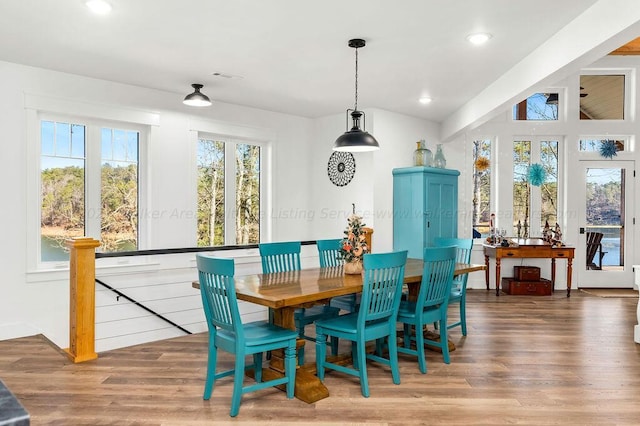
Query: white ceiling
[292,56]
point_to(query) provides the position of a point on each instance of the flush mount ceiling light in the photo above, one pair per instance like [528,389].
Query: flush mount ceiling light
[197,98]
[424,100]
[99,7]
[356,140]
[478,38]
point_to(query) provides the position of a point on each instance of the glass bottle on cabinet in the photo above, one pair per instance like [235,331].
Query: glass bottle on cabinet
[422,156]
[439,161]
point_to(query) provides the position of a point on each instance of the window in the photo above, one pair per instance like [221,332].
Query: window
[539,106]
[535,195]
[596,145]
[602,97]
[481,187]
[89,186]
[228,188]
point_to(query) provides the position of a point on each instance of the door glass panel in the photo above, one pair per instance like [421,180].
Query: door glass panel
[605,218]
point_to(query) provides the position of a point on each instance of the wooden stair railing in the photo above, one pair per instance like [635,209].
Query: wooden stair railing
[82,303]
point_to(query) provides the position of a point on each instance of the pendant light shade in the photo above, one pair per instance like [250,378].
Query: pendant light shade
[356,139]
[197,98]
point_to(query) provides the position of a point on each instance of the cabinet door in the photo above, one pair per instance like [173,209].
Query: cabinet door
[408,214]
[441,207]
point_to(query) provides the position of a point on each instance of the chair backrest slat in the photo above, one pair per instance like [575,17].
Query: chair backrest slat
[280,257]
[463,255]
[437,276]
[382,286]
[328,252]
[218,293]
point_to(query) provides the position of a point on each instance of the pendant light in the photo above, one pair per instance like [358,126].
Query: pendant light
[356,140]
[197,98]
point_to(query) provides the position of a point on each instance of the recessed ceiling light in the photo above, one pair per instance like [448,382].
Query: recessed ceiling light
[478,38]
[424,100]
[99,7]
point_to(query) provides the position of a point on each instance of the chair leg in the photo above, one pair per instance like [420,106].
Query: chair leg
[354,354]
[334,346]
[290,368]
[301,356]
[393,357]
[422,362]
[406,341]
[321,348]
[211,370]
[257,366]
[463,315]
[362,369]
[444,342]
[238,378]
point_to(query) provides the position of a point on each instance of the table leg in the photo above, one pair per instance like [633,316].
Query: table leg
[553,274]
[497,276]
[569,271]
[308,387]
[486,271]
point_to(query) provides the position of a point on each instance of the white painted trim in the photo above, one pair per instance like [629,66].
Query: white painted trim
[88,109]
[234,131]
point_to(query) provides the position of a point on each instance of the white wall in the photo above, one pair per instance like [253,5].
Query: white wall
[38,302]
[397,135]
[302,205]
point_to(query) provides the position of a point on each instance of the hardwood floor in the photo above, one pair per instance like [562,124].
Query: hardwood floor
[526,360]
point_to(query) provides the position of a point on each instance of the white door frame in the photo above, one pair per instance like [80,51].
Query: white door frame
[624,277]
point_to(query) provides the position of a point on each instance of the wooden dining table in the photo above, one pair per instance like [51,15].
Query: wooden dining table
[285,292]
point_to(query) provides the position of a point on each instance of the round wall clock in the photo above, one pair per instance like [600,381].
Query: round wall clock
[341,168]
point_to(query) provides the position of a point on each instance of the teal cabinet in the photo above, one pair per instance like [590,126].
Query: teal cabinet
[425,206]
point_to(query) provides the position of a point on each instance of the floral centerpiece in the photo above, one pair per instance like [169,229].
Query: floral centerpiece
[354,245]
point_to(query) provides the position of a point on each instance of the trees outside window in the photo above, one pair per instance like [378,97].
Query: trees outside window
[539,106]
[533,204]
[228,192]
[481,187]
[71,178]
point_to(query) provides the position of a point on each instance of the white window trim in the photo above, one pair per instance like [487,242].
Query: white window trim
[37,108]
[534,222]
[629,110]
[236,134]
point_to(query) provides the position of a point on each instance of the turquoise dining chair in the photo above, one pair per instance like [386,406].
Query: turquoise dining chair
[383,276]
[227,332]
[329,256]
[285,257]
[430,306]
[459,286]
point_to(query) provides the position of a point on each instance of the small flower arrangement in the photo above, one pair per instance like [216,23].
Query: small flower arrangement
[354,244]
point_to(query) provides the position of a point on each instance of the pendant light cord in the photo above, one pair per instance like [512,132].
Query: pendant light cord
[356,105]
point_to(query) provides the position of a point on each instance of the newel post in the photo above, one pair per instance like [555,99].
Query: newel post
[82,303]
[368,233]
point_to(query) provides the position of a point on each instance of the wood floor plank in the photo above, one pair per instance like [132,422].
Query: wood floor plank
[526,360]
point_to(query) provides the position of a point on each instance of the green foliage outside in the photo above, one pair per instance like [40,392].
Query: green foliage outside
[213,211]
[63,205]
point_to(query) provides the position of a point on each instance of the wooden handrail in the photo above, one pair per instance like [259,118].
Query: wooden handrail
[82,303]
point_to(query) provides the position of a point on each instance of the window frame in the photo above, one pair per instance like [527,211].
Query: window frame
[94,118]
[230,145]
[493,176]
[234,134]
[628,111]
[536,197]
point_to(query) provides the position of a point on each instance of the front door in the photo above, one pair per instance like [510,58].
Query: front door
[605,245]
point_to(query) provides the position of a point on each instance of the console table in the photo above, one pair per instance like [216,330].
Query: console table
[529,248]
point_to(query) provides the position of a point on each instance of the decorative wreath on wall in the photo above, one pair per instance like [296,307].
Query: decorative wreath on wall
[608,149]
[341,168]
[537,174]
